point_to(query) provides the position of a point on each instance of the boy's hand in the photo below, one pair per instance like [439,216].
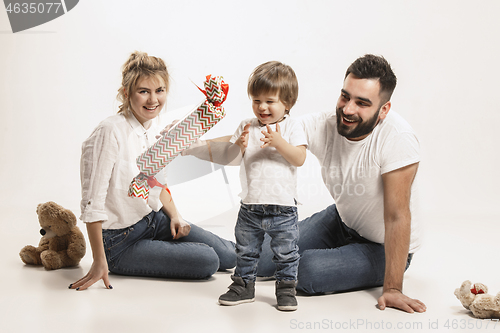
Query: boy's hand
[271,138]
[243,139]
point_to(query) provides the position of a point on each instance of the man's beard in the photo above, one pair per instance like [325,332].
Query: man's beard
[360,129]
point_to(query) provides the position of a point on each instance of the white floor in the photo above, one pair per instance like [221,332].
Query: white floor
[35,300]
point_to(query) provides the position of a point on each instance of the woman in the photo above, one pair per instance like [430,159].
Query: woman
[129,235]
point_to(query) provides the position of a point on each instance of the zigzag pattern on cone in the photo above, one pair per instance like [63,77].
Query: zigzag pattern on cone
[139,188]
[188,131]
[181,137]
[214,93]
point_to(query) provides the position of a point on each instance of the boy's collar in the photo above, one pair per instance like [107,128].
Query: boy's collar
[279,121]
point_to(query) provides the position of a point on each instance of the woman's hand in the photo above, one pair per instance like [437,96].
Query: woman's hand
[99,268]
[98,271]
[167,128]
[179,228]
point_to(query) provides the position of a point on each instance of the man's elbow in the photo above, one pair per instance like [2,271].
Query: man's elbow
[400,217]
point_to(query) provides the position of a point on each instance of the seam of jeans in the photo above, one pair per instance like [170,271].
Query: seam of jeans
[154,273]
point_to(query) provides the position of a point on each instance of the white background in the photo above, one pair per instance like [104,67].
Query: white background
[59,80]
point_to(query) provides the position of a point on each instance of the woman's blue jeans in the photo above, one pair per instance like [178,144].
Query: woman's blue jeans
[278,222]
[147,249]
[334,257]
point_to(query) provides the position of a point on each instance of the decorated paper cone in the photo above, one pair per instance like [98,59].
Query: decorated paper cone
[180,137]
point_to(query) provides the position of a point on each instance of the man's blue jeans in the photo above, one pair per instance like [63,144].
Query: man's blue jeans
[334,257]
[278,222]
[147,249]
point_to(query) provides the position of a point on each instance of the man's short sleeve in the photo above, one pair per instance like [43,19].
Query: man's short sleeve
[402,150]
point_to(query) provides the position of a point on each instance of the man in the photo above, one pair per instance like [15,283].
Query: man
[369,158]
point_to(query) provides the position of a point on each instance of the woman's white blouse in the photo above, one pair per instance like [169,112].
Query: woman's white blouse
[108,165]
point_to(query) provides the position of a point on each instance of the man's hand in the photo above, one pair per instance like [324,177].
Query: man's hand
[197,144]
[397,220]
[179,228]
[395,299]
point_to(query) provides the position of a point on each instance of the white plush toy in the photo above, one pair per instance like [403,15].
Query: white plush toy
[475,298]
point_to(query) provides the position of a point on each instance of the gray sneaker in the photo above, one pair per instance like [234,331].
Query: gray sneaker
[285,295]
[239,292]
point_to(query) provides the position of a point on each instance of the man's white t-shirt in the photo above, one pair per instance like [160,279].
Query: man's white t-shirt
[266,176]
[352,170]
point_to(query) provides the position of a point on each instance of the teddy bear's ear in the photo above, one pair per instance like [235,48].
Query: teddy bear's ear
[38,207]
[67,216]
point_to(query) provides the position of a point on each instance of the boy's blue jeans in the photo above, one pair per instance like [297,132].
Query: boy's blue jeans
[147,249]
[334,257]
[281,224]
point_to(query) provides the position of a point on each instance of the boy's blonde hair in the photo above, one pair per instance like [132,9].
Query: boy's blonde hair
[275,77]
[138,66]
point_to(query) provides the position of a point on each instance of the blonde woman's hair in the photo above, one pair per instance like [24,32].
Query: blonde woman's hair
[138,66]
[275,77]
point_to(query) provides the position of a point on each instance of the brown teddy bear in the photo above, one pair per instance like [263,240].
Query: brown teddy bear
[476,298]
[62,243]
